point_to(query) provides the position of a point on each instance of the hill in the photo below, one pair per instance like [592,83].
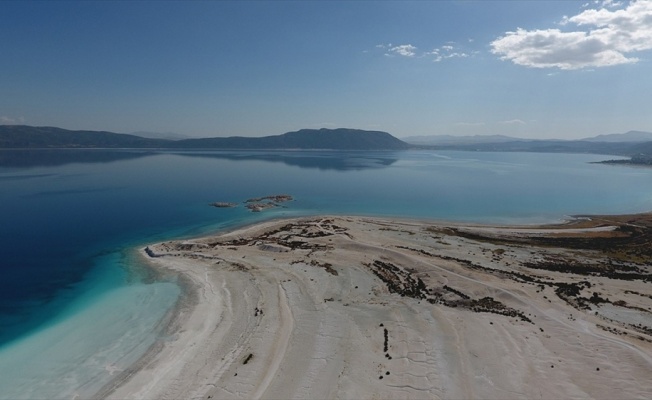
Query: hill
[552,146]
[160,135]
[336,139]
[457,140]
[21,136]
[639,152]
[451,140]
[631,136]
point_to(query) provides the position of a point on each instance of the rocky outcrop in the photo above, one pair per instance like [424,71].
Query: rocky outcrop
[257,204]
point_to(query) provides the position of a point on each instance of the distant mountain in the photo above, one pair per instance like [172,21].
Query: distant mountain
[160,135]
[631,136]
[455,140]
[635,144]
[450,140]
[21,136]
[553,146]
[29,137]
[336,139]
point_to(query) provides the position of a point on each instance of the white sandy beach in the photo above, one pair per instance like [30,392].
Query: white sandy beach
[352,307]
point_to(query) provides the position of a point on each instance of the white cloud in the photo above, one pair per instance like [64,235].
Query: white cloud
[445,52]
[405,50]
[438,54]
[604,3]
[609,3]
[609,37]
[9,120]
[456,55]
[513,122]
[470,124]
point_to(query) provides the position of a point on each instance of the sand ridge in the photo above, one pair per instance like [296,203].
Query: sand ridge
[356,307]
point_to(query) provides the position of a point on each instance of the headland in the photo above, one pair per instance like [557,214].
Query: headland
[357,307]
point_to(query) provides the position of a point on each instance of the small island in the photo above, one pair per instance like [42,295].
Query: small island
[257,204]
[223,204]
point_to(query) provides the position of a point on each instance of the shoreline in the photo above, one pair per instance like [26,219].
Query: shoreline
[329,306]
[171,323]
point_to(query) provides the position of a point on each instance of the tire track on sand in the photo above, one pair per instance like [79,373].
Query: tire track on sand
[286,326]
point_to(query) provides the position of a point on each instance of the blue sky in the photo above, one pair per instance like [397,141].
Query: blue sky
[547,69]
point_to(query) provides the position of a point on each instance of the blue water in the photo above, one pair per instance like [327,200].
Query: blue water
[69,219]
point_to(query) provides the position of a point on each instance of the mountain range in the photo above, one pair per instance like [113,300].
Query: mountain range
[634,144]
[631,136]
[22,136]
[450,140]
[457,140]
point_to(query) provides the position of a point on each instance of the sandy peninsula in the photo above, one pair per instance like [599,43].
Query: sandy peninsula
[371,308]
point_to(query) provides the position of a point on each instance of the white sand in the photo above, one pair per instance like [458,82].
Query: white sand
[264,321]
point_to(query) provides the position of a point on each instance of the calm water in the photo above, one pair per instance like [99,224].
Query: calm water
[70,218]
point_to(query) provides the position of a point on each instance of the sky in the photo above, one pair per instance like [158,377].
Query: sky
[533,69]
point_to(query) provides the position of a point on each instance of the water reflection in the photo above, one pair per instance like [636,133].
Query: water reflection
[58,157]
[322,160]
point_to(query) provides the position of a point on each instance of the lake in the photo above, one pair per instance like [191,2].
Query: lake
[76,306]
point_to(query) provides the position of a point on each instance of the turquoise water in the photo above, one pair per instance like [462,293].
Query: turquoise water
[74,304]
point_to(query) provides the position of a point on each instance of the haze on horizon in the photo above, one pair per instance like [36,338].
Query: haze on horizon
[545,69]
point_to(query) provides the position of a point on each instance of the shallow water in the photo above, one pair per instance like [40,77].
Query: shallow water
[110,323]
[72,302]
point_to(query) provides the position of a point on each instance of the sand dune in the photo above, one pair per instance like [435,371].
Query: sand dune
[350,307]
